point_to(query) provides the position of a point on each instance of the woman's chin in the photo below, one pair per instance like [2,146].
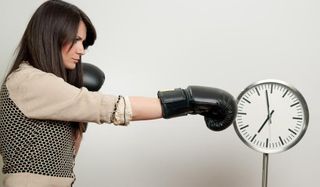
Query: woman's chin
[70,66]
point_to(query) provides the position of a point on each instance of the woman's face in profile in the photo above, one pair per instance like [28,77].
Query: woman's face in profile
[71,56]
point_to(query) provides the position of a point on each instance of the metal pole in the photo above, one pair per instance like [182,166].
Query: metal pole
[265,170]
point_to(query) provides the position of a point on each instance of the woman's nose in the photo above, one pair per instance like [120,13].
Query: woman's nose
[80,49]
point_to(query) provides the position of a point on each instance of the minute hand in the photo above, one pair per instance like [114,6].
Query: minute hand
[268,106]
[265,121]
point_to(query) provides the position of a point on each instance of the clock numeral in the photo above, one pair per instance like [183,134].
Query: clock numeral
[244,127]
[242,113]
[271,89]
[267,142]
[253,137]
[285,94]
[257,91]
[281,140]
[294,104]
[292,131]
[297,118]
[246,100]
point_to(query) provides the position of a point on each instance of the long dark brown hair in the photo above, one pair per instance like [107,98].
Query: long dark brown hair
[53,25]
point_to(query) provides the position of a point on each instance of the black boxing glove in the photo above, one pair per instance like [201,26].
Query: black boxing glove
[93,77]
[217,106]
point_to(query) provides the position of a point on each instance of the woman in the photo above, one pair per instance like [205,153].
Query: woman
[44,106]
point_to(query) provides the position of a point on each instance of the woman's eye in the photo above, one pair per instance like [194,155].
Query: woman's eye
[76,40]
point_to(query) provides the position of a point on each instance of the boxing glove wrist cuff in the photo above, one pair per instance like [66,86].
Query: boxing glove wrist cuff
[174,103]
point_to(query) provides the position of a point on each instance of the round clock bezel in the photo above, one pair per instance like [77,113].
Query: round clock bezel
[303,105]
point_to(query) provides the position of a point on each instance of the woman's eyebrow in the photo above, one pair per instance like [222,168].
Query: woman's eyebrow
[80,38]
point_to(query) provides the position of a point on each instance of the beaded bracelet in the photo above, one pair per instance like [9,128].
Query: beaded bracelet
[116,108]
[124,111]
[113,116]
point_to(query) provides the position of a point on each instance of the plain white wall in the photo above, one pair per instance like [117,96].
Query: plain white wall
[147,45]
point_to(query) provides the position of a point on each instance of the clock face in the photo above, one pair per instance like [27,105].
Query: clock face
[272,116]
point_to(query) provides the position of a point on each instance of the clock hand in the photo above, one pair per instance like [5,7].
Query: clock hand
[265,121]
[268,106]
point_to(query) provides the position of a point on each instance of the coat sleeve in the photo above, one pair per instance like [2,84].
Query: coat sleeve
[42,95]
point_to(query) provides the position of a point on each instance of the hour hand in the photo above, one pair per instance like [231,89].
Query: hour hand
[265,121]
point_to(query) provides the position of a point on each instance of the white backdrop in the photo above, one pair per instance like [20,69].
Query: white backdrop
[147,45]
